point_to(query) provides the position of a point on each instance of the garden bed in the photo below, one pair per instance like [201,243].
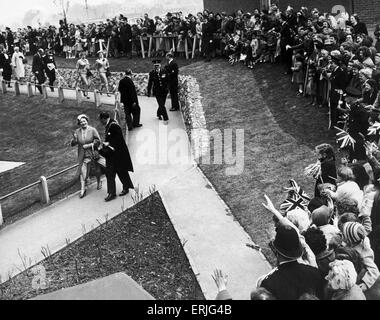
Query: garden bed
[140,242]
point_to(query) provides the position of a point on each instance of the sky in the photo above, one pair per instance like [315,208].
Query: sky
[11,15]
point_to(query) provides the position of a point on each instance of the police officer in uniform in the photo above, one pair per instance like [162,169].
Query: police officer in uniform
[158,81]
[50,66]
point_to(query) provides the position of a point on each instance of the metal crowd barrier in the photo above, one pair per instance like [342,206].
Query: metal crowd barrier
[173,39]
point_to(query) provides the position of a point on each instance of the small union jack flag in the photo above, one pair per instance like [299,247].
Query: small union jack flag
[293,203]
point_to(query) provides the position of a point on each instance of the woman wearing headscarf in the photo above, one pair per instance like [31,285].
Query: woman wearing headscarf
[87,139]
[342,281]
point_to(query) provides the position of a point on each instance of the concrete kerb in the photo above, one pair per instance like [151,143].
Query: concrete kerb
[184,247]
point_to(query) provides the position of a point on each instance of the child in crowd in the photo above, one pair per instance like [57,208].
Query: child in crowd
[354,235]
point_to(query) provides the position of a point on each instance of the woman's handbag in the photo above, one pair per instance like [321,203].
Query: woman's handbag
[89,73]
[95,156]
[108,72]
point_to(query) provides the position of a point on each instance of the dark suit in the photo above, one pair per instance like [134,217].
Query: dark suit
[338,80]
[172,71]
[208,30]
[118,162]
[126,39]
[159,82]
[290,280]
[38,68]
[5,64]
[49,58]
[128,96]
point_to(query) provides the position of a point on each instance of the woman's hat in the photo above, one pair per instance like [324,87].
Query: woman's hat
[81,116]
[353,232]
[156,62]
[287,243]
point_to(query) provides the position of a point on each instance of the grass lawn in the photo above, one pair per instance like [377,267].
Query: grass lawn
[281,131]
[38,132]
[140,242]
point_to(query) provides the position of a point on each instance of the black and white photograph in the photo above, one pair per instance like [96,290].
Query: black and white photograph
[176,151]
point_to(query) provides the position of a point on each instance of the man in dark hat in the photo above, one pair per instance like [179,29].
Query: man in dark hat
[118,160]
[128,96]
[291,279]
[158,82]
[172,71]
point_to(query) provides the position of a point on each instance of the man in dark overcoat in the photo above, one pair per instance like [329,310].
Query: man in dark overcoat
[158,82]
[128,96]
[118,160]
[172,71]
[126,38]
[38,69]
[338,79]
[50,66]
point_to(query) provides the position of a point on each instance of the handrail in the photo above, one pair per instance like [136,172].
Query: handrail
[61,172]
[19,190]
[37,182]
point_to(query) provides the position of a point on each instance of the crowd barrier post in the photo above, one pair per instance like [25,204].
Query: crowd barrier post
[30,89]
[44,191]
[142,47]
[44,91]
[3,86]
[17,88]
[117,115]
[98,102]
[173,44]
[186,49]
[1,216]
[78,93]
[61,96]
[194,46]
[150,46]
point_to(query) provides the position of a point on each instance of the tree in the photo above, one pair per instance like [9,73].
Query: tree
[64,6]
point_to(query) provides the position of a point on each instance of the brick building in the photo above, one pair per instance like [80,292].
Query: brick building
[368,10]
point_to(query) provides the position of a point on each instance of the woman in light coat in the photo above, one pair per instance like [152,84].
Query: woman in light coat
[18,64]
[87,139]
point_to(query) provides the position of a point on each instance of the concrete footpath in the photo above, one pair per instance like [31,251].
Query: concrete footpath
[162,161]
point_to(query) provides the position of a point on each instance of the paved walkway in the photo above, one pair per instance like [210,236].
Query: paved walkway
[213,239]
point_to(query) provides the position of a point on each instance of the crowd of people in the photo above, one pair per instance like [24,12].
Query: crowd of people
[327,246]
